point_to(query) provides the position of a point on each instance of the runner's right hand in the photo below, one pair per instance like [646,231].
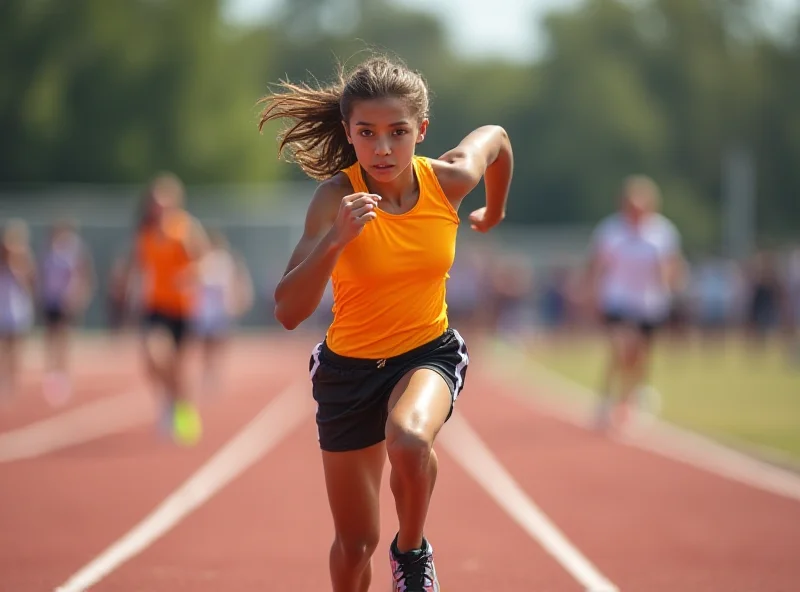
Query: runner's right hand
[355,211]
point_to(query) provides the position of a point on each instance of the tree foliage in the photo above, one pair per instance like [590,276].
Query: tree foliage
[114,90]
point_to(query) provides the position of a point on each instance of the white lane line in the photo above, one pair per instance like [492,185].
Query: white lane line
[466,447]
[88,422]
[264,432]
[658,436]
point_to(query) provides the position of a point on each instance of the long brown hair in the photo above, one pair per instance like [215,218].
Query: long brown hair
[315,137]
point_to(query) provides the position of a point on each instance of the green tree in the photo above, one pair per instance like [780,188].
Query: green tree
[107,91]
[115,90]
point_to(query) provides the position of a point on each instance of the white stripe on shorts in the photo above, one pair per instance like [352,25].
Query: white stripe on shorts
[462,365]
[315,355]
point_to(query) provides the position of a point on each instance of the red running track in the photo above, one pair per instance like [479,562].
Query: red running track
[641,521]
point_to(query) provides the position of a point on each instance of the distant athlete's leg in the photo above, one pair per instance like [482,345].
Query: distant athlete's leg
[16,349]
[635,366]
[186,422]
[636,363]
[612,375]
[56,381]
[172,364]
[353,482]
[7,366]
[157,347]
[612,367]
[158,353]
[53,335]
[648,397]
[213,352]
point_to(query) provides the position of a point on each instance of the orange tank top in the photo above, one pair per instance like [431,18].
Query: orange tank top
[389,282]
[163,260]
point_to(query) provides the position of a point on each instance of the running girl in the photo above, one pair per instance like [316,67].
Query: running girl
[382,226]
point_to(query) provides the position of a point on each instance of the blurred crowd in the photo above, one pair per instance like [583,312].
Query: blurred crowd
[491,290]
[52,284]
[503,291]
[494,289]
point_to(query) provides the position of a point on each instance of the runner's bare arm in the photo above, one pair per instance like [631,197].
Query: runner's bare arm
[484,153]
[335,216]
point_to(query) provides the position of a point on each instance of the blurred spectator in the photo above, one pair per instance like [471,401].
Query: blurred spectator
[554,298]
[67,281]
[17,284]
[512,288]
[715,293]
[224,292]
[766,296]
[468,289]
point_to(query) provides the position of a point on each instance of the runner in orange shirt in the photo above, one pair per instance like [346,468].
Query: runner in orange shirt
[169,242]
[381,227]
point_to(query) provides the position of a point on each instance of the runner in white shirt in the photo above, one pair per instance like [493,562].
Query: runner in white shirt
[635,267]
[17,279]
[66,287]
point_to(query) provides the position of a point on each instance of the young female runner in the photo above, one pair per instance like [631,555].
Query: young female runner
[382,226]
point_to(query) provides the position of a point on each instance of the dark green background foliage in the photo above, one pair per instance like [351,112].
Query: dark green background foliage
[107,91]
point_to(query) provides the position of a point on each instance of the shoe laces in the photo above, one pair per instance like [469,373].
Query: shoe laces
[413,572]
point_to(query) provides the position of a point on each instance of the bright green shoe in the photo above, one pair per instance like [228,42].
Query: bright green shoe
[187,427]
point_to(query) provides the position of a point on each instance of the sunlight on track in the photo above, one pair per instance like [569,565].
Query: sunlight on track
[466,447]
[88,422]
[282,415]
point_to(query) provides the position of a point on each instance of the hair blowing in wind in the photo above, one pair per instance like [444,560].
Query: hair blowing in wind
[314,137]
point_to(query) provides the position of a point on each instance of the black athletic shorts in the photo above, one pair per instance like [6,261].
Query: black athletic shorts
[647,327]
[352,394]
[55,314]
[176,326]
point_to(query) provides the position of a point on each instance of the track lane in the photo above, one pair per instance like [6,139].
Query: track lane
[648,522]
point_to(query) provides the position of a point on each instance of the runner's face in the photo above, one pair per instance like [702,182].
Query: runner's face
[384,133]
